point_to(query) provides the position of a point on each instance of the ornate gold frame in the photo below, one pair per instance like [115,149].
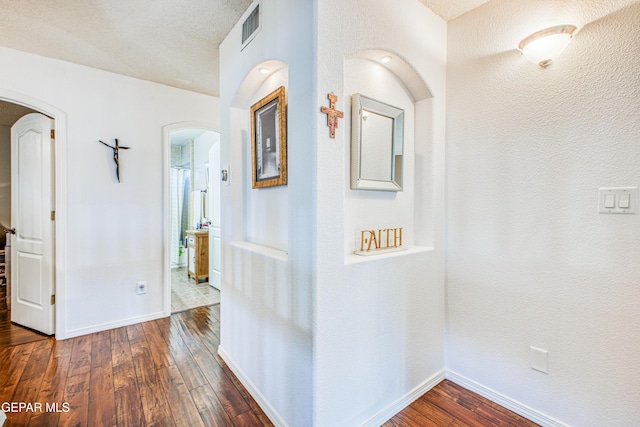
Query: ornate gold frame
[278,96]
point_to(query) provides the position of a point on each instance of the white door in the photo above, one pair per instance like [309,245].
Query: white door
[215,234]
[32,202]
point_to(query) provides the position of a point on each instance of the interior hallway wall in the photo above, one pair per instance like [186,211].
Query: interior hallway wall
[530,261]
[379,329]
[115,230]
[268,251]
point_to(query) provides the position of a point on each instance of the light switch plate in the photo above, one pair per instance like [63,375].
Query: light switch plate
[626,195]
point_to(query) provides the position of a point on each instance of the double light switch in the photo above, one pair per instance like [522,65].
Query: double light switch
[623,200]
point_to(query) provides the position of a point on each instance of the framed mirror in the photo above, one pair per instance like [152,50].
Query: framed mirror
[377,139]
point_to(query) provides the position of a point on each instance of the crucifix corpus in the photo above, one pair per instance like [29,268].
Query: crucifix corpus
[332,115]
[116,150]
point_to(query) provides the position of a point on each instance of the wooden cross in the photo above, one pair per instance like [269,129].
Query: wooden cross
[332,115]
[116,155]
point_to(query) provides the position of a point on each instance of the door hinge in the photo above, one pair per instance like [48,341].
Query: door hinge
[53,299]
[53,134]
[53,215]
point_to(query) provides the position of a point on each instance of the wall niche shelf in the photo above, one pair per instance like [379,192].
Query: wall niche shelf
[261,250]
[356,259]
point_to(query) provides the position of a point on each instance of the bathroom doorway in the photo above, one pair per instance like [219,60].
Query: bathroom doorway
[190,215]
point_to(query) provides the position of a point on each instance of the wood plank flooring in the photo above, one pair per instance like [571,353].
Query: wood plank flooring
[12,334]
[159,373]
[449,405]
[167,373]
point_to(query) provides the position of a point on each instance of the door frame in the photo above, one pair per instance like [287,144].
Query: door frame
[166,211]
[60,186]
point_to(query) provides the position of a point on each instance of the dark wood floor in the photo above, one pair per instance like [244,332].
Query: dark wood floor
[448,404]
[12,334]
[167,373]
[161,373]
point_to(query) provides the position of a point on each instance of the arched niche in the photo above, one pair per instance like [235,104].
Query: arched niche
[399,84]
[402,69]
[253,229]
[255,79]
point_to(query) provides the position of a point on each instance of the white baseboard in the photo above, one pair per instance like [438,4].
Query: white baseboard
[111,325]
[505,401]
[385,414]
[273,415]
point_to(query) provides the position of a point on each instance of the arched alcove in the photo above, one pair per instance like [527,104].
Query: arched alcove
[402,69]
[263,225]
[396,83]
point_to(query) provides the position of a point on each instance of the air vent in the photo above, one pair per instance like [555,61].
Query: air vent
[250,26]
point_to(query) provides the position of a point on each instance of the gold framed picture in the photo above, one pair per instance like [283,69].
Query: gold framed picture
[269,140]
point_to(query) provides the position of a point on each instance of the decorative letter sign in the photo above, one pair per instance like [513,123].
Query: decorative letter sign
[378,241]
[332,115]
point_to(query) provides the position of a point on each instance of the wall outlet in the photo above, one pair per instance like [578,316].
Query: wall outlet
[539,359]
[141,288]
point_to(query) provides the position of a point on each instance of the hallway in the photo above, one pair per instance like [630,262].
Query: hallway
[162,372]
[166,372]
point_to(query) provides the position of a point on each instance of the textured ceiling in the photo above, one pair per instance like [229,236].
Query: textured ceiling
[450,9]
[173,42]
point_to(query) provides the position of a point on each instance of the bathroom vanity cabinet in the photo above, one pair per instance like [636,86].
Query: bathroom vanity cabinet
[198,254]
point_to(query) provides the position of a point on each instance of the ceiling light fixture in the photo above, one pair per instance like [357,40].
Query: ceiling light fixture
[543,46]
[263,70]
[385,59]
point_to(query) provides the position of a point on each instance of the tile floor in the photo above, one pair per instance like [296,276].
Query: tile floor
[186,293]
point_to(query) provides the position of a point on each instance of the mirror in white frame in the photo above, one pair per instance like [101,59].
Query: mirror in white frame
[376,145]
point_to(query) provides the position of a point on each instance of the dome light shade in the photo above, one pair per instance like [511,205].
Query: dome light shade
[543,46]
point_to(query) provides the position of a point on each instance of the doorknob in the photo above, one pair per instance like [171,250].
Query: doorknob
[10,230]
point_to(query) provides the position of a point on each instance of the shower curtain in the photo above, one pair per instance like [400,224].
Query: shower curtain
[180,189]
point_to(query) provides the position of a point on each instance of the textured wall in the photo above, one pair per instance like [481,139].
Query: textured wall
[530,261]
[379,330]
[266,317]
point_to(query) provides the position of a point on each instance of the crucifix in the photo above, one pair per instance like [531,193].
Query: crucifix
[116,150]
[332,115]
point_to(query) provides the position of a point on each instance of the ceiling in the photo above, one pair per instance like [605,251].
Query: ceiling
[451,9]
[182,136]
[173,42]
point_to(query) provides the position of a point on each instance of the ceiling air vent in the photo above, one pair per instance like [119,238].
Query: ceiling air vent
[250,26]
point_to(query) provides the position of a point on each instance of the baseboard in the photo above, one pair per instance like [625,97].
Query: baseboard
[111,325]
[505,401]
[273,415]
[387,413]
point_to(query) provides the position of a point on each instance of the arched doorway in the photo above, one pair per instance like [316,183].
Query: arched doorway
[192,231]
[16,102]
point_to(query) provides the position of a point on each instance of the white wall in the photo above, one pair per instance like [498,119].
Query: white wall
[530,261]
[266,209]
[369,210]
[266,308]
[5,178]
[379,330]
[201,147]
[115,230]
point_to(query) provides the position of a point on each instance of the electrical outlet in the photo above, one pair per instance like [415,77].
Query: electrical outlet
[539,359]
[141,288]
